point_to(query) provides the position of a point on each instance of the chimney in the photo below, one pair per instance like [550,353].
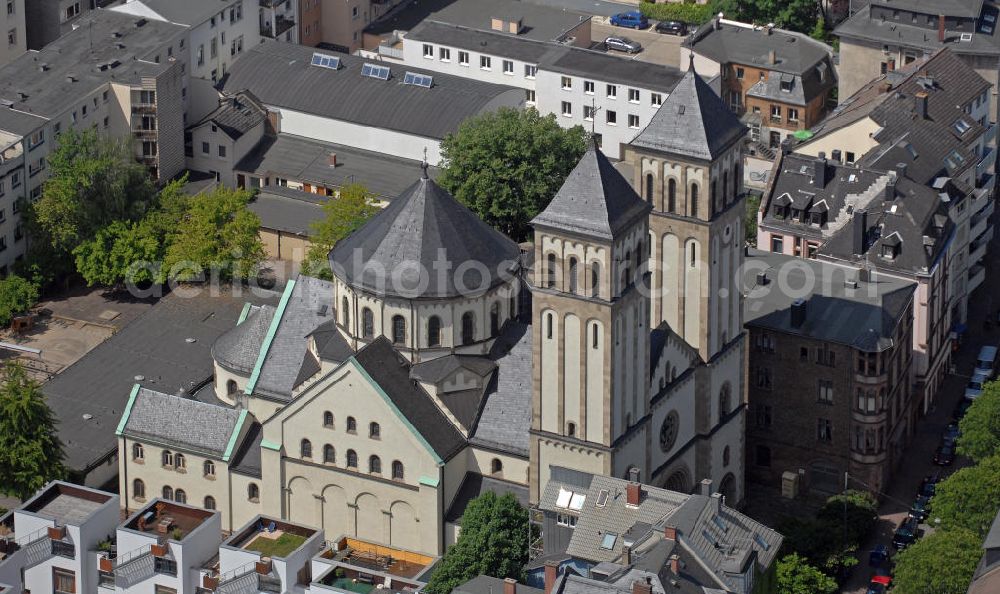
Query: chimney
[772,56]
[835,155]
[786,145]
[670,533]
[761,279]
[626,556]
[509,586]
[819,171]
[940,28]
[644,586]
[716,502]
[920,103]
[890,189]
[633,493]
[551,572]
[675,564]
[860,223]
[706,487]
[770,28]
[333,159]
[798,312]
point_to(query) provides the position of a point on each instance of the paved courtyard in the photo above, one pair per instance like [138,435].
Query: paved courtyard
[657,48]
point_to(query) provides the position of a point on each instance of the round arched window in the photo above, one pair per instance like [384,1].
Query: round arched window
[668,431]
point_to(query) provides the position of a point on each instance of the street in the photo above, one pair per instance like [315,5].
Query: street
[595,7]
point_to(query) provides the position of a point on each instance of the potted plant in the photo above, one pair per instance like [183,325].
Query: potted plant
[264,566]
[210,582]
[177,534]
[158,550]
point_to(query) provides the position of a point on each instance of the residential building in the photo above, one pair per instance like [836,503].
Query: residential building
[216,142]
[47,20]
[809,419]
[348,563]
[778,82]
[12,21]
[884,35]
[987,576]
[48,544]
[607,535]
[342,23]
[279,19]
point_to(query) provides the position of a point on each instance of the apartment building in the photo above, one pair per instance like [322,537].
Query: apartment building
[12,22]
[47,20]
[829,388]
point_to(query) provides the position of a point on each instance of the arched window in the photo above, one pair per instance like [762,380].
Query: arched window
[137,452]
[725,187]
[179,461]
[253,492]
[231,387]
[328,420]
[649,187]
[209,468]
[495,319]
[168,493]
[671,195]
[694,254]
[468,328]
[367,323]
[736,181]
[352,459]
[712,198]
[725,456]
[209,502]
[627,272]
[571,429]
[398,329]
[345,312]
[306,448]
[374,431]
[375,465]
[352,425]
[572,275]
[397,470]
[180,496]
[550,270]
[138,489]
[434,331]
[595,279]
[329,454]
[496,466]
[595,339]
[693,201]
[167,458]
[724,397]
[548,325]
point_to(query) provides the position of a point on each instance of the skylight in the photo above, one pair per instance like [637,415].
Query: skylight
[325,61]
[418,80]
[375,71]
[608,542]
[757,538]
[576,503]
[961,126]
[563,499]
[602,498]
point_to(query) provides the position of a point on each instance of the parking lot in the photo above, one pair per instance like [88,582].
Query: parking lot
[657,48]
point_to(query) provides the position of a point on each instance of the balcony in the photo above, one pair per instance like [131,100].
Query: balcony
[271,3]
[281,25]
[984,164]
[977,274]
[144,133]
[61,548]
[143,108]
[980,221]
[977,248]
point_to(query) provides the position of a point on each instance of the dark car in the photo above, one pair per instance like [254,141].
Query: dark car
[960,409]
[929,485]
[878,556]
[672,27]
[633,19]
[623,44]
[945,455]
[874,588]
[921,508]
[950,434]
[906,534]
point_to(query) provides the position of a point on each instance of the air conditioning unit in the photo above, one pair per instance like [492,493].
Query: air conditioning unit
[966,37]
[789,484]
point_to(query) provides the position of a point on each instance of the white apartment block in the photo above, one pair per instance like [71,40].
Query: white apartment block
[12,25]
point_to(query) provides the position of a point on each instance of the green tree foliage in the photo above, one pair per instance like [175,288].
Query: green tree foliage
[685,12]
[30,453]
[861,511]
[795,15]
[216,232]
[796,576]
[92,182]
[750,219]
[980,427]
[969,497]
[819,32]
[493,541]
[342,215]
[17,295]
[508,164]
[111,257]
[939,563]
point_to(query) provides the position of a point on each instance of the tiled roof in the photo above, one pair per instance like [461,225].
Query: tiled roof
[237,114]
[732,42]
[474,485]
[237,349]
[506,416]
[206,428]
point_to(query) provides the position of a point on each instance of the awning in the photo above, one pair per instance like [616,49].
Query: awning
[802,134]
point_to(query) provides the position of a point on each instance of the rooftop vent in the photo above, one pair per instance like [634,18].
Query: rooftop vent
[43,67]
[506,25]
[140,23]
[116,34]
[71,78]
[798,312]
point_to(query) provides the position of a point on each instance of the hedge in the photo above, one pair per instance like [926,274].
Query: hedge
[677,11]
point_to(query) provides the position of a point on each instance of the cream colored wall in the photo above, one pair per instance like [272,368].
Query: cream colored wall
[550,452]
[856,138]
[222,378]
[515,468]
[279,245]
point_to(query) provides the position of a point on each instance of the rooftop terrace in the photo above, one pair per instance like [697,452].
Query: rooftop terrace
[66,504]
[377,558]
[271,538]
[168,520]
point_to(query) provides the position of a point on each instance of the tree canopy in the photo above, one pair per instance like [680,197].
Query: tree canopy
[508,164]
[30,453]
[860,509]
[968,498]
[795,15]
[939,563]
[17,295]
[493,541]
[796,576]
[980,427]
[113,253]
[342,215]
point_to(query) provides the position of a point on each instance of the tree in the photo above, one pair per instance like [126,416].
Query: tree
[217,232]
[506,165]
[980,427]
[794,15]
[30,453]
[111,258]
[939,563]
[342,215]
[493,541]
[750,219]
[819,30]
[850,516]
[795,576]
[968,498]
[17,295]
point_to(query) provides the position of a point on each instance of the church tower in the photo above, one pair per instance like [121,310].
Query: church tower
[590,316]
[688,166]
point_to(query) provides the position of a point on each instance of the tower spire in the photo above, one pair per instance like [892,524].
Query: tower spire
[424,165]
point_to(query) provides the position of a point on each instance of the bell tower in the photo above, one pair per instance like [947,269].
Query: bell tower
[590,312]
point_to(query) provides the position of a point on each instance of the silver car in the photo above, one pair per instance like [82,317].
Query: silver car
[623,44]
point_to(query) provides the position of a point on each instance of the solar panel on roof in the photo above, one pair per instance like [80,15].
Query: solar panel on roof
[375,71]
[325,61]
[419,80]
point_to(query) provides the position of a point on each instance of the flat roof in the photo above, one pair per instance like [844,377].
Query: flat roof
[537,21]
[268,529]
[65,503]
[163,517]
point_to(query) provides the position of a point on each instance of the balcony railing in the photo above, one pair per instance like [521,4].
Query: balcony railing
[271,3]
[977,274]
[64,549]
[165,566]
[281,24]
[984,164]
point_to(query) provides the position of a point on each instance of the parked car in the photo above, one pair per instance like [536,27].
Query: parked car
[951,433]
[906,534]
[632,19]
[944,455]
[672,27]
[874,588]
[921,508]
[623,44]
[929,485]
[878,555]
[882,578]
[986,361]
[975,386]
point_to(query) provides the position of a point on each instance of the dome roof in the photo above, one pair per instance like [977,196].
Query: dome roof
[425,244]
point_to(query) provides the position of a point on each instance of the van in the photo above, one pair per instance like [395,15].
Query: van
[986,361]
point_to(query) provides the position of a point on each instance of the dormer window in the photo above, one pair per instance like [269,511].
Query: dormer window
[891,246]
[889,252]
[786,85]
[781,212]
[961,126]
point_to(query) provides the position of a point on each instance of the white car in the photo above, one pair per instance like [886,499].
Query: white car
[975,386]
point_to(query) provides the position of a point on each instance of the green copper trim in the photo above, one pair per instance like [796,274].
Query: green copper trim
[236,433]
[430,481]
[244,313]
[128,410]
[269,337]
[270,445]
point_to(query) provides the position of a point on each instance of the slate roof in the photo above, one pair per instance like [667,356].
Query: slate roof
[206,428]
[306,160]
[738,43]
[864,26]
[474,485]
[484,584]
[330,343]
[246,460]
[280,75]
[287,210]
[692,121]
[392,373]
[237,349]
[437,369]
[595,200]
[236,114]
[403,247]
[864,318]
[185,12]
[506,416]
